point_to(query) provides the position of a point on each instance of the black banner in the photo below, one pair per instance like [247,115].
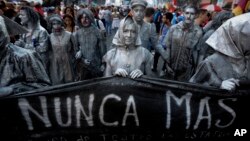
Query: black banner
[122,109]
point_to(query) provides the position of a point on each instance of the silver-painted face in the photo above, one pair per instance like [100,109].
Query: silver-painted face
[129,34]
[85,21]
[189,15]
[57,26]
[138,13]
[24,17]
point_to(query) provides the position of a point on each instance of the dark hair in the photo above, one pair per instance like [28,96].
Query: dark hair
[10,13]
[149,11]
[169,16]
[71,10]
[31,14]
[221,17]
[71,18]
[2,5]
[93,10]
[202,11]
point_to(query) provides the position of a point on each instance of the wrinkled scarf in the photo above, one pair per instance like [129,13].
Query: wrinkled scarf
[118,39]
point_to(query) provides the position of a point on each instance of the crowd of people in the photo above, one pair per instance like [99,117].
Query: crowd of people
[41,46]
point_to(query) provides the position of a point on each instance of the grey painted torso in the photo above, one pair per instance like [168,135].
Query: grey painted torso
[129,59]
[88,40]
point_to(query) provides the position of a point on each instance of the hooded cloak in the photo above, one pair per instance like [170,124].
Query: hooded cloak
[231,60]
[20,69]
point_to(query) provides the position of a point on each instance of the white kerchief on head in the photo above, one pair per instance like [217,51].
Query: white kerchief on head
[118,38]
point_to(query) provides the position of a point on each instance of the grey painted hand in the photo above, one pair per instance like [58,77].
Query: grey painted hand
[121,72]
[229,84]
[136,74]
[78,55]
[5,91]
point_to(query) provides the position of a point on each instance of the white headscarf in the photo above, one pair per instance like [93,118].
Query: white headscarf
[118,38]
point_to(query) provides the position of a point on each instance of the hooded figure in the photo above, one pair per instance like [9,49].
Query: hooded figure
[231,62]
[90,45]
[20,69]
[128,58]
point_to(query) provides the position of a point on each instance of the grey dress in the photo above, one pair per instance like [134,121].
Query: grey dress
[62,58]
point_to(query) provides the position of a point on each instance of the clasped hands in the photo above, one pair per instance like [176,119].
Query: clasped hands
[134,74]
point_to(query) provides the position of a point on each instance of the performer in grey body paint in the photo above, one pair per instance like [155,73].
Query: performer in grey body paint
[128,58]
[61,53]
[20,69]
[229,66]
[147,31]
[37,37]
[90,45]
[181,42]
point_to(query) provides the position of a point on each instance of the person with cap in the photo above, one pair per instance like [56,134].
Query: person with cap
[90,45]
[20,69]
[229,67]
[128,58]
[147,31]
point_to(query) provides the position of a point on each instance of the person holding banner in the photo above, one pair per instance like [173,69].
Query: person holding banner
[229,66]
[90,46]
[128,58]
